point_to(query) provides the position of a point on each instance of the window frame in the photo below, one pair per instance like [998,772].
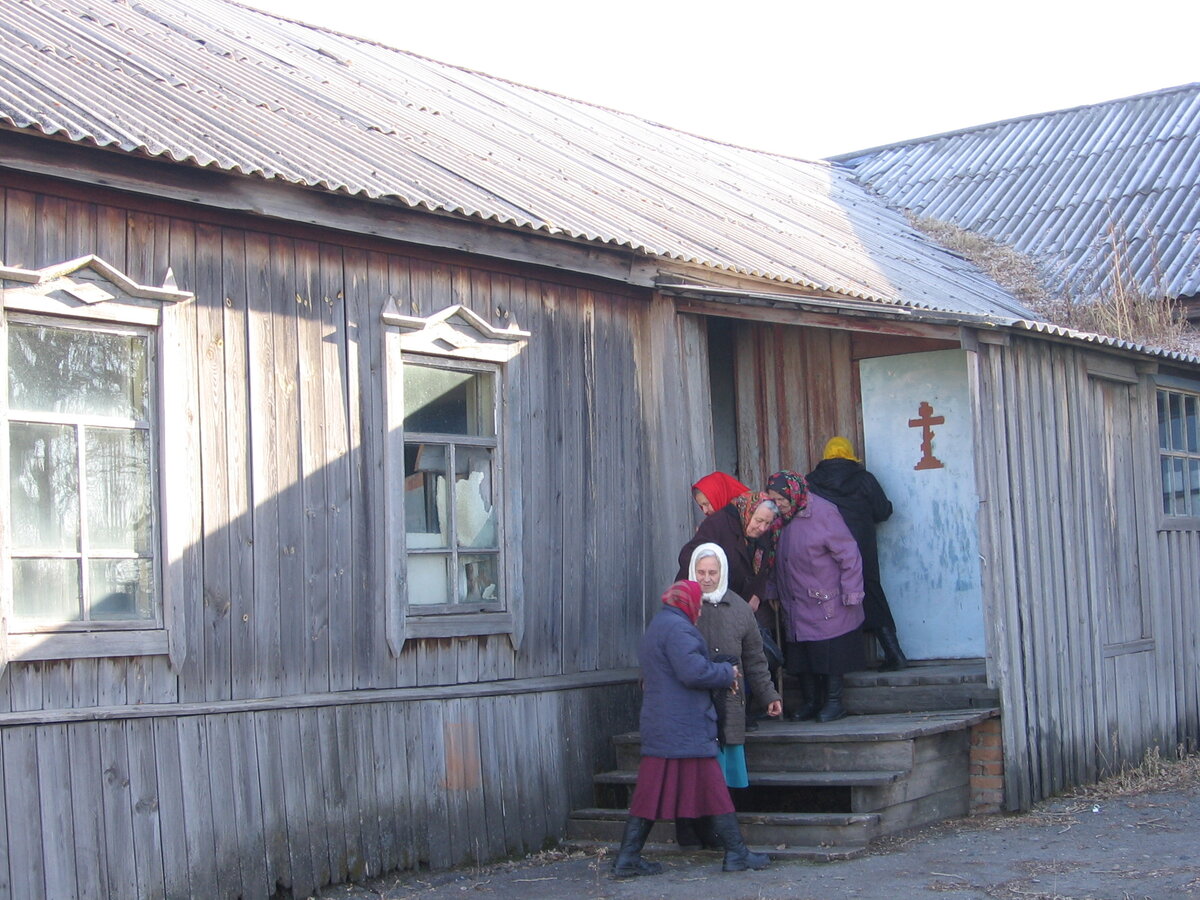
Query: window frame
[458,339]
[90,294]
[1166,386]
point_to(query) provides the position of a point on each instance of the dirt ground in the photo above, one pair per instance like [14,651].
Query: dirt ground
[1137,838]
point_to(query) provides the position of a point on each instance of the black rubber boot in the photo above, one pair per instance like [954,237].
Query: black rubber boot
[738,857]
[629,862]
[811,699]
[893,656]
[709,839]
[833,709]
[696,834]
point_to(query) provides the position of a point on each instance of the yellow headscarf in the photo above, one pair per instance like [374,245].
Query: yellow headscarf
[839,448]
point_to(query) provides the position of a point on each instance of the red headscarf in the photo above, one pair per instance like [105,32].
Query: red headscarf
[685,595]
[719,488]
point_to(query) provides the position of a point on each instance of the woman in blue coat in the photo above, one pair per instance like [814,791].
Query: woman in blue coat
[679,776]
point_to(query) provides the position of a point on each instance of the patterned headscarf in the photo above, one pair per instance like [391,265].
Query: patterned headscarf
[795,489]
[746,504]
[840,448]
[719,488]
[686,596]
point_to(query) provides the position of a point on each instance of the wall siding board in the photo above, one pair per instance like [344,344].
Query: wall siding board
[197,806]
[337,412]
[287,434]
[87,811]
[27,863]
[235,334]
[149,838]
[269,750]
[313,465]
[265,475]
[217,651]
[247,806]
[5,859]
[57,821]
[215,735]
[116,809]
[305,844]
[322,790]
[172,809]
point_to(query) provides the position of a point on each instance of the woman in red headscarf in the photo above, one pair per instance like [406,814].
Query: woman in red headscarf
[715,490]
[679,776]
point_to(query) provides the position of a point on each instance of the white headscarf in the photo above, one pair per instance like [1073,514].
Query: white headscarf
[723,585]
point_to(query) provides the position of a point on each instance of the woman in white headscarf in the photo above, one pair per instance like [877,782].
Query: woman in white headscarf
[732,634]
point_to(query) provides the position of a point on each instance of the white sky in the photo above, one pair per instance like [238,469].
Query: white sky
[808,79]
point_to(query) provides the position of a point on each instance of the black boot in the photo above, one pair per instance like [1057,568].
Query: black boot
[709,839]
[833,709]
[893,656]
[810,697]
[629,860]
[738,857]
[696,834]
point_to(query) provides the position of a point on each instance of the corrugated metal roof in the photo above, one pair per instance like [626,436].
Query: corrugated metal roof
[211,83]
[1078,190]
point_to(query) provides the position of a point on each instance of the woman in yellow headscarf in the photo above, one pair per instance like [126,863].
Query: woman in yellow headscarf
[842,480]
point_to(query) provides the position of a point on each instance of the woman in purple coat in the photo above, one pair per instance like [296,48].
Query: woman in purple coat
[818,578]
[679,776]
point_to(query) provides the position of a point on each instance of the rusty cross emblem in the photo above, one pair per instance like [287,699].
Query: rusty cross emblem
[926,423]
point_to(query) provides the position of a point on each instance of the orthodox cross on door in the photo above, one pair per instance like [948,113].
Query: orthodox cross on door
[926,423]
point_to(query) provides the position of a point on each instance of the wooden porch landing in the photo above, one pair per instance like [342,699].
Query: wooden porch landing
[825,791]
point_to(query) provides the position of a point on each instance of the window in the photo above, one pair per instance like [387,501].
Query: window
[1179,452]
[80,476]
[99,523]
[448,517]
[449,486]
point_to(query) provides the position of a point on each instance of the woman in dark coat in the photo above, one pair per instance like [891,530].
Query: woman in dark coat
[842,480]
[679,776]
[737,529]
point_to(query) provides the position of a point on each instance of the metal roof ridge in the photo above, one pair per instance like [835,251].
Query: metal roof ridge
[842,158]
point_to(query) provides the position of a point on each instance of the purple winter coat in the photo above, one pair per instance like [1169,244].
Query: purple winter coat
[818,574]
[678,719]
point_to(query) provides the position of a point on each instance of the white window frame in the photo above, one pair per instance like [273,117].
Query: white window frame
[89,291]
[1167,385]
[459,339]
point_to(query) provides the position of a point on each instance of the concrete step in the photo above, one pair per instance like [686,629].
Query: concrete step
[856,743]
[765,832]
[657,851]
[858,778]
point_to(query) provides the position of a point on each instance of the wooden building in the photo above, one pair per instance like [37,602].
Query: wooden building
[351,404]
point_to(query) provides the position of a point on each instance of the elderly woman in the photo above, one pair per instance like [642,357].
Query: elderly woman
[715,490]
[737,529]
[679,776]
[843,480]
[731,632]
[819,581]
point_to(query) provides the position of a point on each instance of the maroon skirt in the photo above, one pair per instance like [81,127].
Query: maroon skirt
[680,789]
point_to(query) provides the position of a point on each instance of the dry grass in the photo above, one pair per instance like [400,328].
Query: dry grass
[1122,309]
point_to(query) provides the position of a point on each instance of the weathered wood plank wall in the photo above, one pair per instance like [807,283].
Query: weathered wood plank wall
[796,388]
[289,347]
[240,803]
[1090,608]
[287,600]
